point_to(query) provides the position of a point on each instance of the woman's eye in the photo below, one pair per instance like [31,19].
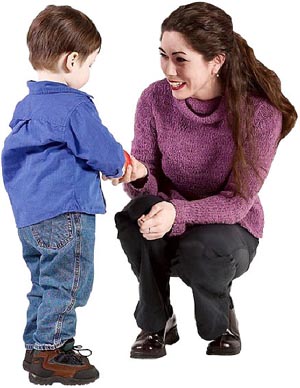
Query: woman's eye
[180,59]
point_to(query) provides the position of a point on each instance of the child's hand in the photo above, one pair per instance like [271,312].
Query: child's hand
[114,181]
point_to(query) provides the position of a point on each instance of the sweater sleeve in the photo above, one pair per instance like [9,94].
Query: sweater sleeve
[225,207]
[145,148]
[89,140]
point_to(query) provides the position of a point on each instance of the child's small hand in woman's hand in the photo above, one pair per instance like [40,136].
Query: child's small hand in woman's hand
[134,171]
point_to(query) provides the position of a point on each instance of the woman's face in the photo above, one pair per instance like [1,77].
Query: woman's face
[188,74]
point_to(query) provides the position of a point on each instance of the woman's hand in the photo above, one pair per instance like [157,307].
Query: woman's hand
[158,221]
[136,170]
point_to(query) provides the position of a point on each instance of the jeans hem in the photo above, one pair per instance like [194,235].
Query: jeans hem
[45,346]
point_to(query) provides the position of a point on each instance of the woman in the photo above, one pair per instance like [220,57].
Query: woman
[204,141]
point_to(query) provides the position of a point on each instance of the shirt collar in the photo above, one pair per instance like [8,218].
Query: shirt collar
[49,87]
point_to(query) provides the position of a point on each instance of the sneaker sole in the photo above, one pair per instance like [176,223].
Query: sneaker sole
[57,379]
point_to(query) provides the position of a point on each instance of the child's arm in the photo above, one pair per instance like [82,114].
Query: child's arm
[90,141]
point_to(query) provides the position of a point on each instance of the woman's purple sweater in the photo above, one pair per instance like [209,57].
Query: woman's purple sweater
[188,149]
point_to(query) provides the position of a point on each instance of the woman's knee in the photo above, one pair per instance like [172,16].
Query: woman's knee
[137,207]
[198,265]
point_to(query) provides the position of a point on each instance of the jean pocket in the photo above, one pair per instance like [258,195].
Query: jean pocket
[54,233]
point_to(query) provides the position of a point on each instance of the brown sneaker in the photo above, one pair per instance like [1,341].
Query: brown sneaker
[65,365]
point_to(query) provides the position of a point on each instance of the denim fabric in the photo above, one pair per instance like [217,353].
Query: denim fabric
[59,253]
[52,157]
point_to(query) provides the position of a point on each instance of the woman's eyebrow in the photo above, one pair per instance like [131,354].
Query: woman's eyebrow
[174,53]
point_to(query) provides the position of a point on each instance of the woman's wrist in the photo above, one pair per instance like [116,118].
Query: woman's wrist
[140,182]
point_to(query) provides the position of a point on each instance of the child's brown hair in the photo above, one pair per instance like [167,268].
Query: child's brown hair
[57,30]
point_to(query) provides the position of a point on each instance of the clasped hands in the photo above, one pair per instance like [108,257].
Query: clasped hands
[135,170]
[161,217]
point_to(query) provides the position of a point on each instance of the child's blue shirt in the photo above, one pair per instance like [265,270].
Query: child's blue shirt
[52,158]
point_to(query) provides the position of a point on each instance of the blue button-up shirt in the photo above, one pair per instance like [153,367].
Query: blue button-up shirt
[52,158]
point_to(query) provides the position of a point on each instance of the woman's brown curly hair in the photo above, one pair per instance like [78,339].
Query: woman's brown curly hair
[209,31]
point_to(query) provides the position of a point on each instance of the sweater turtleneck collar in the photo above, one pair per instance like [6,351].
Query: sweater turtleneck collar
[204,111]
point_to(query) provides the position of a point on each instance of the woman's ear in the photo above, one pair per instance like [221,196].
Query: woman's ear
[71,60]
[218,63]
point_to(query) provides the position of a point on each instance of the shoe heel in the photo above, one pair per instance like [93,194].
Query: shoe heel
[172,336]
[26,366]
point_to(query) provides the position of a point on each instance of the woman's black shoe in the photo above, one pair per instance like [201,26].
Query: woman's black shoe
[229,343]
[152,345]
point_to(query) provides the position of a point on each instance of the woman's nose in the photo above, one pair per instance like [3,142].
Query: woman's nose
[170,69]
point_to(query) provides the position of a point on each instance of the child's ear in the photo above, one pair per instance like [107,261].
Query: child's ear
[71,60]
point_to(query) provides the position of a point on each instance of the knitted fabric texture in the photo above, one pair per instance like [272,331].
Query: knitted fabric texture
[188,149]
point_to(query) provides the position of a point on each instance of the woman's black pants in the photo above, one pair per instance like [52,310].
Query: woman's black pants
[206,257]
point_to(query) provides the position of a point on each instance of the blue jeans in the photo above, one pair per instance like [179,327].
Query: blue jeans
[59,253]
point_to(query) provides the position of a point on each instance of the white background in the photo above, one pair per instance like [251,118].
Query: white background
[266,298]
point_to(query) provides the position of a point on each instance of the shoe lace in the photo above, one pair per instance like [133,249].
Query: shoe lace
[74,356]
[80,350]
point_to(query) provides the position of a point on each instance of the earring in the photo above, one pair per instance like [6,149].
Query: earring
[217,75]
